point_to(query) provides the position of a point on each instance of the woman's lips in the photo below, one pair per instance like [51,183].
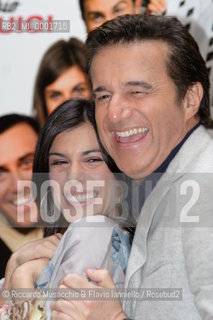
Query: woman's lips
[81,198]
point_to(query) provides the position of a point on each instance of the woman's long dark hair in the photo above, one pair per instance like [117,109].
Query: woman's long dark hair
[68,116]
[61,56]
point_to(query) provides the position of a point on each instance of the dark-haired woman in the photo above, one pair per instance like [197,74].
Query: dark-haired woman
[61,76]
[77,194]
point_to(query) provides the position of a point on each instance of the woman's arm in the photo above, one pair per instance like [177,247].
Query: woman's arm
[43,248]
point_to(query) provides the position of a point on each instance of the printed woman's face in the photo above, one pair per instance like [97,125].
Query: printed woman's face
[72,83]
[83,184]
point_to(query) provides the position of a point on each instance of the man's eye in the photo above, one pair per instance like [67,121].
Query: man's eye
[27,164]
[136,92]
[102,98]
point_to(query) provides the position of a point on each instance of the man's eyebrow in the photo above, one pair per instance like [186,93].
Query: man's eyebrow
[99,89]
[27,155]
[141,84]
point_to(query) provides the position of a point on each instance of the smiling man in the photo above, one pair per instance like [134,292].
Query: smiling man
[18,138]
[96,12]
[151,92]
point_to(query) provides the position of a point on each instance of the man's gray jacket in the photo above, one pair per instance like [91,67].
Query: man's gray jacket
[173,243]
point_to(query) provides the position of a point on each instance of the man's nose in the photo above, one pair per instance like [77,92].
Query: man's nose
[19,180]
[119,109]
[15,177]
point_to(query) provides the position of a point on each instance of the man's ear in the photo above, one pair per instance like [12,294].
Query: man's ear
[138,5]
[192,100]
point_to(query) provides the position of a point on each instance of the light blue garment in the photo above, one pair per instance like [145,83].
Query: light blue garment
[92,242]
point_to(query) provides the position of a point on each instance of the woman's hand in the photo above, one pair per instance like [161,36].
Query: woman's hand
[25,275]
[87,309]
[42,248]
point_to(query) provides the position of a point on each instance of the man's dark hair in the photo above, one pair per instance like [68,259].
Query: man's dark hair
[185,65]
[10,120]
[81,5]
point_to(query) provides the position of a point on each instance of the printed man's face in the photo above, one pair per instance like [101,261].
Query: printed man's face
[17,147]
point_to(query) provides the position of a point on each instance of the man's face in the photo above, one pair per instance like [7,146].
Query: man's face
[17,146]
[138,115]
[96,12]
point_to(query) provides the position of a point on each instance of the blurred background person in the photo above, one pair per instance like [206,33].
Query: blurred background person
[18,138]
[197,16]
[61,76]
[96,12]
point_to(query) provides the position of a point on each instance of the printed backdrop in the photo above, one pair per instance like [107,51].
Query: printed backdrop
[21,52]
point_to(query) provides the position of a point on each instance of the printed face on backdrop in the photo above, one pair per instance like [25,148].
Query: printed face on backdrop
[96,12]
[72,83]
[139,117]
[76,164]
[17,146]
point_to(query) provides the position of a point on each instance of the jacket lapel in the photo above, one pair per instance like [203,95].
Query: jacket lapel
[178,167]
[138,252]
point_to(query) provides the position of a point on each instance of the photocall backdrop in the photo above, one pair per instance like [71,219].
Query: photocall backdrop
[21,48]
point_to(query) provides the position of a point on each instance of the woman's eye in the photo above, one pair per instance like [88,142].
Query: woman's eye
[79,89]
[54,95]
[96,17]
[94,160]
[58,163]
[118,11]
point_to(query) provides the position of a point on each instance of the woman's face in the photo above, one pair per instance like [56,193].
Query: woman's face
[84,184]
[72,83]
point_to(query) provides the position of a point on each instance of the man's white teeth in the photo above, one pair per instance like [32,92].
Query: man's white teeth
[131,132]
[81,197]
[21,201]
